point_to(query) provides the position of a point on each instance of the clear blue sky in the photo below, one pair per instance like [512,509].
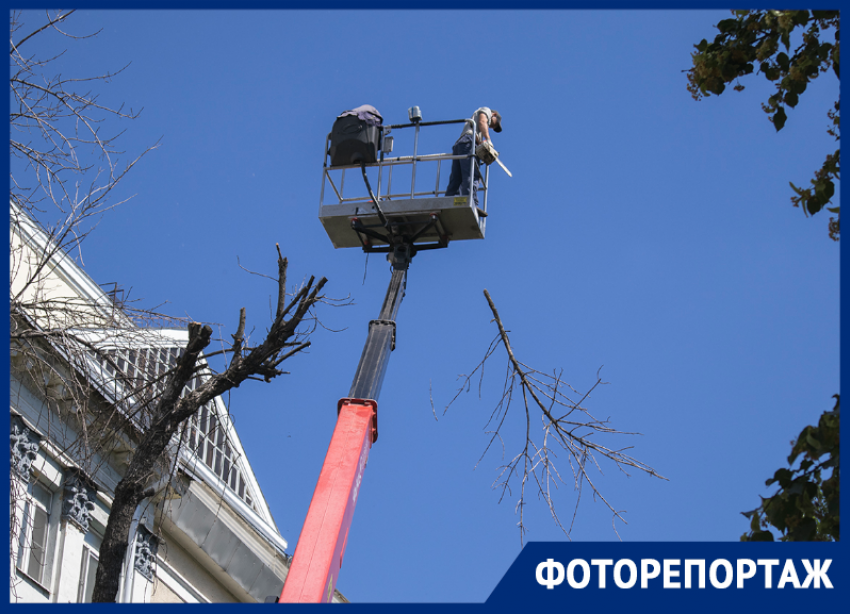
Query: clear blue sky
[642,231]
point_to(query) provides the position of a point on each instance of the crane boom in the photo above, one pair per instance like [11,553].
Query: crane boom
[318,556]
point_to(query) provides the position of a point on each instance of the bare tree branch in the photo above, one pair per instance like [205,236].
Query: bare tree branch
[176,405]
[50,23]
[52,120]
[115,390]
[564,424]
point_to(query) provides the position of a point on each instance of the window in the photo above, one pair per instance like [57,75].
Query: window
[207,438]
[142,369]
[89,567]
[206,434]
[35,530]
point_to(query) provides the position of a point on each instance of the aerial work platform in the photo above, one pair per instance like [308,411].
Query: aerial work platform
[407,189]
[400,217]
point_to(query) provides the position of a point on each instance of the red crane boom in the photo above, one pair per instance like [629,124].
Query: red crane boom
[321,546]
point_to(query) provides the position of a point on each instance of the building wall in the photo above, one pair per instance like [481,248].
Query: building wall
[193,577]
[183,572]
[235,555]
[163,594]
[58,280]
[180,576]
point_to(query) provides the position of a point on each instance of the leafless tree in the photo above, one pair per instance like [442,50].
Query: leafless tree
[65,165]
[64,173]
[67,345]
[99,405]
[172,409]
[562,424]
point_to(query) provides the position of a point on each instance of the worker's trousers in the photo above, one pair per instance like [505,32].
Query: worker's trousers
[459,178]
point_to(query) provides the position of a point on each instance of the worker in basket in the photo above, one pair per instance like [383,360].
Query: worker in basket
[356,136]
[483,119]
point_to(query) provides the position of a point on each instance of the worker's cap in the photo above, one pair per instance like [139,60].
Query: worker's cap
[498,125]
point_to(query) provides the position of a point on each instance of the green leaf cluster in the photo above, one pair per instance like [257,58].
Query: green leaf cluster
[815,198]
[760,42]
[806,506]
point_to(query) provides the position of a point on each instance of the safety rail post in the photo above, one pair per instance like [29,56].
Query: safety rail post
[380,162]
[413,168]
[486,188]
[324,172]
[472,165]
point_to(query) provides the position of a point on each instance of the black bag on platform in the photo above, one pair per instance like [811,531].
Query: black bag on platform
[356,137]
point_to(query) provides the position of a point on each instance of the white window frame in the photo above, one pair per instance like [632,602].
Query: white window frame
[91,556]
[26,559]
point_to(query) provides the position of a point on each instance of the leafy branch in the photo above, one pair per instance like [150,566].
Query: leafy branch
[806,507]
[753,41]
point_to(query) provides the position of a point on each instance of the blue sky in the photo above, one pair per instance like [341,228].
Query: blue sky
[642,232]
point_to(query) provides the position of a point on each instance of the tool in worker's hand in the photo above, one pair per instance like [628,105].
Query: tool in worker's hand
[488,154]
[504,168]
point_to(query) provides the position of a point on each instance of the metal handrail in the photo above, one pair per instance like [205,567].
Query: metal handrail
[390,163]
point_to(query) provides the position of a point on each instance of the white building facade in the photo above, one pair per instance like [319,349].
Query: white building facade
[206,535]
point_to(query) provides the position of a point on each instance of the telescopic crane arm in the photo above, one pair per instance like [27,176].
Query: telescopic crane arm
[427,223]
[318,556]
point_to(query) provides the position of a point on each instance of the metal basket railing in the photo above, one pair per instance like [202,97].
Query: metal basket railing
[385,166]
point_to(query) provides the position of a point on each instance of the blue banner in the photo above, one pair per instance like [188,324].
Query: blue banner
[699,576]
